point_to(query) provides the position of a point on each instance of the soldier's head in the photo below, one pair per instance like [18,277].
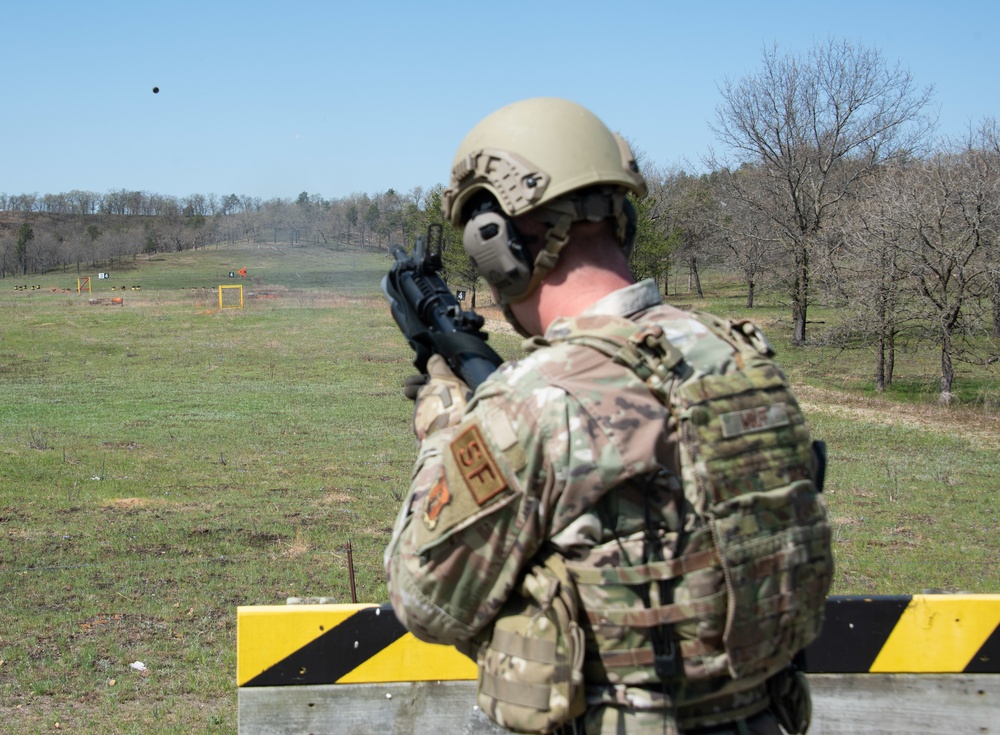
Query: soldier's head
[545,162]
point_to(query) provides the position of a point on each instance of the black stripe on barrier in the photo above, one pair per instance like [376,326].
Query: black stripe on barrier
[855,630]
[337,652]
[987,658]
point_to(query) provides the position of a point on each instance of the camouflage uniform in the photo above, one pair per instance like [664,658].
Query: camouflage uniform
[532,461]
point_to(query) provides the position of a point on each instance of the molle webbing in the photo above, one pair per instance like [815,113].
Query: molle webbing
[646,573]
[747,587]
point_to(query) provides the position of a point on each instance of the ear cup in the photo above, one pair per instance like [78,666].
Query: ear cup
[495,247]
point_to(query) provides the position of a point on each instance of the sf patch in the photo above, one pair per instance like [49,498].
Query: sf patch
[476,465]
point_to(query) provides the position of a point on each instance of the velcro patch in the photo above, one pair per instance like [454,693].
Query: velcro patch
[479,469]
[505,438]
[750,420]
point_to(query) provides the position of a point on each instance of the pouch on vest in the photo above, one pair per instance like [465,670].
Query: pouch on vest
[531,661]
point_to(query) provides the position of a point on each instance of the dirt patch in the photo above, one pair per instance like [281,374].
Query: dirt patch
[98,623]
[121,445]
[134,505]
[982,429]
[129,503]
[296,547]
[336,497]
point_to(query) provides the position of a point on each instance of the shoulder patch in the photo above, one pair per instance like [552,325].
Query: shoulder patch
[478,468]
[436,500]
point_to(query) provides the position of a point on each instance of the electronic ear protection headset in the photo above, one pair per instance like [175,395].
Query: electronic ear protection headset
[500,253]
[497,250]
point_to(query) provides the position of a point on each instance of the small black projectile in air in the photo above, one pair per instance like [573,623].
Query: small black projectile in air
[156,90]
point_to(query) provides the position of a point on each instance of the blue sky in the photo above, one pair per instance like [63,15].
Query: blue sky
[270,99]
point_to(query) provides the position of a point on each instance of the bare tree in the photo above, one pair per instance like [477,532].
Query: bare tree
[815,126]
[873,272]
[987,140]
[748,236]
[948,209]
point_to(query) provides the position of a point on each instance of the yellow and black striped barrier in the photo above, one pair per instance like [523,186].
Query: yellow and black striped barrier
[907,664]
[914,634]
[289,645]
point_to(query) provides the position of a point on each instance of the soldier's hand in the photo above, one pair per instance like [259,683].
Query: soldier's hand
[440,398]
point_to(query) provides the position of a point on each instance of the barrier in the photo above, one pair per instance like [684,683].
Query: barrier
[908,664]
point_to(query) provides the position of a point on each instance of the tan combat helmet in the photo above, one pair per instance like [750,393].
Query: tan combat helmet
[547,157]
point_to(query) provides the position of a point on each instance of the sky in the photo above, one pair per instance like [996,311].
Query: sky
[332,98]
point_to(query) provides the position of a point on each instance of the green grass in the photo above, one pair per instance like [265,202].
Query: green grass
[164,462]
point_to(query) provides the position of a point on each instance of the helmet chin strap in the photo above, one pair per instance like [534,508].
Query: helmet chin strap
[556,238]
[512,320]
[561,214]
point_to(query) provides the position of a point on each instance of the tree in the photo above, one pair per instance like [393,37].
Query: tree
[947,207]
[391,220]
[24,235]
[656,238]
[815,126]
[5,248]
[370,219]
[276,216]
[692,208]
[351,215]
[458,268]
[655,242]
[874,273]
[749,238]
[987,141]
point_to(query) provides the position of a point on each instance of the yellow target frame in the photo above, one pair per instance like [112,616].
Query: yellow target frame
[231,306]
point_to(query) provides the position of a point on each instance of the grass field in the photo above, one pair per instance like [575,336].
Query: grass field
[164,462]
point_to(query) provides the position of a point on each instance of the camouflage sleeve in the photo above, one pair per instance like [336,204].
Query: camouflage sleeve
[540,442]
[470,521]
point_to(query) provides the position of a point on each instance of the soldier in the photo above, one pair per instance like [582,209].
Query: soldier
[694,564]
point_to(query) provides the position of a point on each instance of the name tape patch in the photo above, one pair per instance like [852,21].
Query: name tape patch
[479,469]
[750,420]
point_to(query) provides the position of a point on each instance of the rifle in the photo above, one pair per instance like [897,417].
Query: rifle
[429,315]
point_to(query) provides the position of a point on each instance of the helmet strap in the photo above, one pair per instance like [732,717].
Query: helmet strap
[508,314]
[556,238]
[560,215]
[590,205]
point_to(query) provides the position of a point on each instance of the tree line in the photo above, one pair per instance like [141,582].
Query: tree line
[88,228]
[830,188]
